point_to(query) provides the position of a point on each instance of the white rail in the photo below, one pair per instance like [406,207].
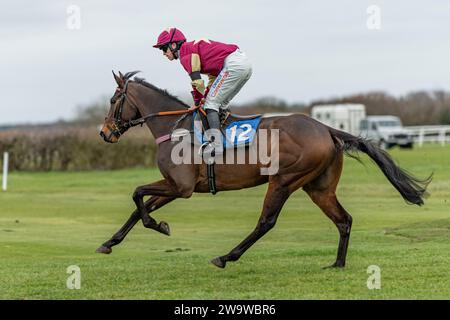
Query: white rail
[437,134]
[5,171]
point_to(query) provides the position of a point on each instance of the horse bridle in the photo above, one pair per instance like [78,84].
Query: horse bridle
[119,126]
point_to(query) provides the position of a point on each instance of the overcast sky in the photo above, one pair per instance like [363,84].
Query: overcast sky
[300,50]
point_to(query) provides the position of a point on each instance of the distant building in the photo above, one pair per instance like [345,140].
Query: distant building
[345,117]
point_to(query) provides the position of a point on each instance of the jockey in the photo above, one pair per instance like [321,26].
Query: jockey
[226,66]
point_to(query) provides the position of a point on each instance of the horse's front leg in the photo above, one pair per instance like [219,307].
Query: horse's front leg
[161,189]
[151,205]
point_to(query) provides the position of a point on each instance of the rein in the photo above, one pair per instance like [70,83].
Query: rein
[142,120]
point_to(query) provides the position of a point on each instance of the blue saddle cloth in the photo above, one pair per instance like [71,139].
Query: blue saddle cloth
[236,134]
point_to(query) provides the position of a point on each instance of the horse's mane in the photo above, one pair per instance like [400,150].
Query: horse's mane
[160,91]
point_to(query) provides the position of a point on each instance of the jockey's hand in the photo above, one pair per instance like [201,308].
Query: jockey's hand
[197,96]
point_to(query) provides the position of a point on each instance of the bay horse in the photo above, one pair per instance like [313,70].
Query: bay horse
[310,157]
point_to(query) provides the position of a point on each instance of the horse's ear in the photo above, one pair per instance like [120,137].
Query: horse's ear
[120,74]
[119,79]
[130,74]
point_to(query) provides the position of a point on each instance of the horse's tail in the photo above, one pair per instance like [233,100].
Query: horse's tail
[412,189]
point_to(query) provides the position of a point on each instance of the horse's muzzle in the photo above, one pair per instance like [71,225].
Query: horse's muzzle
[103,136]
[110,136]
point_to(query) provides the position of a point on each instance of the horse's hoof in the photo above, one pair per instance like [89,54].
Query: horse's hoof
[164,228]
[218,262]
[103,249]
[334,265]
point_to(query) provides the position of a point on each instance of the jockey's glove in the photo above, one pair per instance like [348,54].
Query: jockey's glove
[197,96]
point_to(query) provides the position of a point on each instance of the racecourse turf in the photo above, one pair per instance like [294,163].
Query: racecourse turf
[50,221]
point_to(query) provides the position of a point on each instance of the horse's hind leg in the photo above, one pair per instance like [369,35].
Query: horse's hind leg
[322,192]
[343,221]
[276,196]
[151,205]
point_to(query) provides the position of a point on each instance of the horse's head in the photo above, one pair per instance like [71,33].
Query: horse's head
[121,112]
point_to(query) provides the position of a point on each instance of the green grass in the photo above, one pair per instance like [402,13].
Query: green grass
[49,221]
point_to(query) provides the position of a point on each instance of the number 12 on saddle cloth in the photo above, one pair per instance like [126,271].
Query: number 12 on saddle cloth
[236,134]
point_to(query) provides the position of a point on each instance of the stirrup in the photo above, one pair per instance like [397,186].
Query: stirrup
[202,147]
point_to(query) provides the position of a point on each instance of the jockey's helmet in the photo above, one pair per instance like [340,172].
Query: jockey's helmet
[168,36]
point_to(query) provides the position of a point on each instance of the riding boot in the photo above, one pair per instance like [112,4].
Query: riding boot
[214,134]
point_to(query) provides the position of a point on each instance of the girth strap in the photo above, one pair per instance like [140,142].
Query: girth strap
[211,178]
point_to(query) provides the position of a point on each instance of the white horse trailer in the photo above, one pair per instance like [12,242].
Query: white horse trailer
[345,117]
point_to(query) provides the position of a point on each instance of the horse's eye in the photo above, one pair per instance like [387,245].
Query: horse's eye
[112,101]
